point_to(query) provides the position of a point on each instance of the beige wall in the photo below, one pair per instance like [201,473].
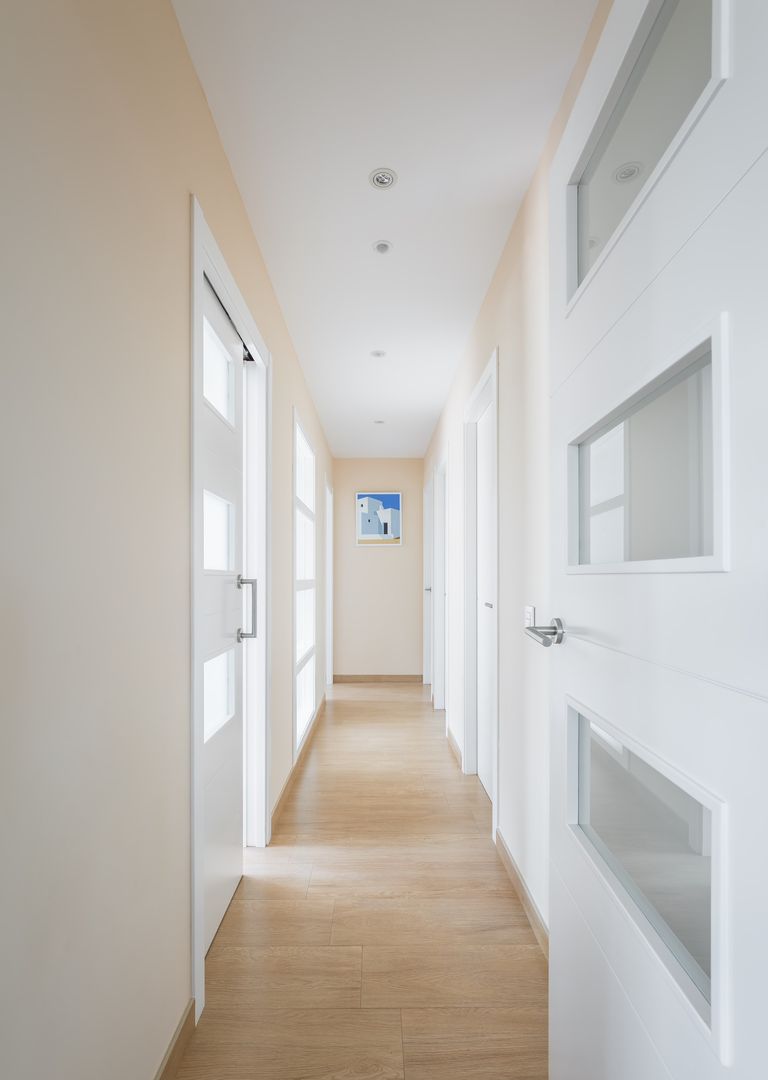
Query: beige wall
[514,317]
[377,591]
[106,132]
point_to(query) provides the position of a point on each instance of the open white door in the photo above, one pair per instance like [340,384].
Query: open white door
[427,613]
[481,583]
[218,606]
[328,584]
[487,658]
[659,711]
[229,610]
[439,606]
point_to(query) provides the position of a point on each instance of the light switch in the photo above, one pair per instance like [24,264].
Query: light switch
[529,615]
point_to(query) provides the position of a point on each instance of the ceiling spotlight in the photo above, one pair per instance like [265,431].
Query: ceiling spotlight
[378,421]
[629,171]
[383,247]
[383,178]
[378,354]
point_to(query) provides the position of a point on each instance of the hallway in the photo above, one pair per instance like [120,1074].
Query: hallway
[379,934]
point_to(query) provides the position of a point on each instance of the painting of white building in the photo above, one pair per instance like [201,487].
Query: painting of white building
[379,517]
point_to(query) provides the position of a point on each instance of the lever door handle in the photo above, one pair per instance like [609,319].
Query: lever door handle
[487,604]
[428,588]
[241,581]
[547,635]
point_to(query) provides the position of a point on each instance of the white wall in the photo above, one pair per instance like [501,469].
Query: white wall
[106,132]
[514,317]
[378,590]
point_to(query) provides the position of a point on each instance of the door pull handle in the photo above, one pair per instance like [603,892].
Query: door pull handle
[252,581]
[547,635]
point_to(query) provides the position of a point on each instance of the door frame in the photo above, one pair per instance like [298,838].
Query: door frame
[484,396]
[208,261]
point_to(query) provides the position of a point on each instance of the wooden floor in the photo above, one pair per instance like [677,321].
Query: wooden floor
[379,936]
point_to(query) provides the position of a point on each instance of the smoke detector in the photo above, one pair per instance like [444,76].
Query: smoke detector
[383,178]
[378,354]
[382,247]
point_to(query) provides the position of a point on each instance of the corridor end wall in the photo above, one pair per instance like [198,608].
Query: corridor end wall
[378,590]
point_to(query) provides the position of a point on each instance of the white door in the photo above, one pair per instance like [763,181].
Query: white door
[218,606]
[486,597]
[328,584]
[439,590]
[659,710]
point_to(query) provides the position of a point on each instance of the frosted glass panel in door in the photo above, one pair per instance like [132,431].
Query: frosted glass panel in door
[218,539]
[305,470]
[305,622]
[218,374]
[645,478]
[305,698]
[656,839]
[305,546]
[218,692]
[671,72]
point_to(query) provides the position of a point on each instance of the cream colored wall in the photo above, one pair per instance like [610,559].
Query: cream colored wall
[377,592]
[514,317]
[106,132]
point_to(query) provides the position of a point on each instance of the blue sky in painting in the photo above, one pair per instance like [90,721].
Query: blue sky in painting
[389,501]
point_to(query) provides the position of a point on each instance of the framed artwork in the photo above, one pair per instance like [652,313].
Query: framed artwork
[379,518]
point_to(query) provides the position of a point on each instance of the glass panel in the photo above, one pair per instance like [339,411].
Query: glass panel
[218,546]
[305,621]
[305,470]
[218,692]
[305,698]
[656,838]
[606,536]
[606,467]
[218,374]
[646,486]
[305,547]
[671,72]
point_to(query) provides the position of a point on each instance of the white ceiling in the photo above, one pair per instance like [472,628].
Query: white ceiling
[309,96]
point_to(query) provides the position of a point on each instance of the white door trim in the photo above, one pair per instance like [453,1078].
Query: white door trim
[208,261]
[484,395]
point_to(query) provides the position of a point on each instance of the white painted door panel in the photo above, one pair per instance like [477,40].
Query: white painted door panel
[218,608]
[666,656]
[427,605]
[624,1051]
[486,597]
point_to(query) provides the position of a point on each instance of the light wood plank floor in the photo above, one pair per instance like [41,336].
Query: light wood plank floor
[378,937]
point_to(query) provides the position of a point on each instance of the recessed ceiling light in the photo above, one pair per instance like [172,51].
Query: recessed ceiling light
[383,178]
[383,247]
[378,421]
[378,354]
[629,171]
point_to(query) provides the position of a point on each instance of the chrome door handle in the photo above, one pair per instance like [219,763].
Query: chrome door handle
[428,588]
[547,635]
[488,605]
[241,581]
